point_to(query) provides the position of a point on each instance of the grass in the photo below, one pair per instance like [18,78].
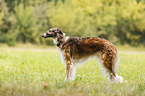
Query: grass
[39,72]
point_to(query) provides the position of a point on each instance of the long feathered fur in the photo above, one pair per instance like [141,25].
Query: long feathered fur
[75,50]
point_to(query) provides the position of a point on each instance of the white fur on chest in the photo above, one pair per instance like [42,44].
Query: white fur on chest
[62,56]
[60,51]
[55,41]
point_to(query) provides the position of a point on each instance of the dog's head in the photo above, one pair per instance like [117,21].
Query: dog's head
[53,32]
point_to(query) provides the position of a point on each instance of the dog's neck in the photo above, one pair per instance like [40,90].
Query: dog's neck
[60,40]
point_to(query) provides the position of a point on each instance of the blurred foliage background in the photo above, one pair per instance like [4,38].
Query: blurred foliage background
[119,21]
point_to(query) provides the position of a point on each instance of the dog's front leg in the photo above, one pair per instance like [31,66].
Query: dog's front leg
[70,68]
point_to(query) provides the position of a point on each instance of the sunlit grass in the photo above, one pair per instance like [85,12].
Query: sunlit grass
[39,72]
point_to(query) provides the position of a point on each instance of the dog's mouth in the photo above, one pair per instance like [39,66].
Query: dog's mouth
[48,34]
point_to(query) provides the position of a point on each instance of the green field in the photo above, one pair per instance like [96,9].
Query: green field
[39,72]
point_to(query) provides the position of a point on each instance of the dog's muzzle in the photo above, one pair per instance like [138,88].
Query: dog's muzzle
[44,35]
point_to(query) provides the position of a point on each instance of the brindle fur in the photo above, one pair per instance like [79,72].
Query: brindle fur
[75,49]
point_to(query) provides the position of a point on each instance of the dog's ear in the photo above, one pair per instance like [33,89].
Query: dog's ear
[60,32]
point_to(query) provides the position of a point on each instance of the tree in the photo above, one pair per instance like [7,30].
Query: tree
[130,23]
[5,21]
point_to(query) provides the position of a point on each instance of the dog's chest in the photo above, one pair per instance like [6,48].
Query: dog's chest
[62,56]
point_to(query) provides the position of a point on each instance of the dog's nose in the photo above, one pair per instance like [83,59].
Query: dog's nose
[42,35]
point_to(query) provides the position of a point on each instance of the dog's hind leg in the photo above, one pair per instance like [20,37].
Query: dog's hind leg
[110,63]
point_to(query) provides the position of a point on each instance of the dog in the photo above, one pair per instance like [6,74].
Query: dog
[75,50]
